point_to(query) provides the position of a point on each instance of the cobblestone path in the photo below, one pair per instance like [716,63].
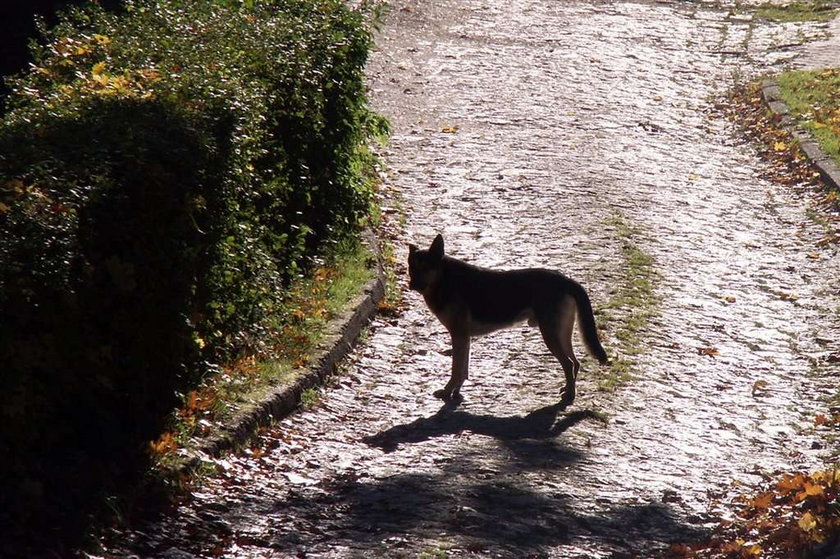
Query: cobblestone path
[530,133]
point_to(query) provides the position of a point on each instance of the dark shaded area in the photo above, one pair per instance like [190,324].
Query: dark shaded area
[94,341]
[483,499]
[501,513]
[17,27]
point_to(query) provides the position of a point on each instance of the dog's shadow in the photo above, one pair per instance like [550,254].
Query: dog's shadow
[542,423]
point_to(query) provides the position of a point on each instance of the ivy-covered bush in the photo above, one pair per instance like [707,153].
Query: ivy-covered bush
[163,172]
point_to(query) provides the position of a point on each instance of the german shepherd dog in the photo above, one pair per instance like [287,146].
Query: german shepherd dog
[472,301]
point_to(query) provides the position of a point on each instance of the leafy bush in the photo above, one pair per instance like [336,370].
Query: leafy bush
[163,172]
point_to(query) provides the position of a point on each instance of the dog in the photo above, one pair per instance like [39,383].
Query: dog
[472,301]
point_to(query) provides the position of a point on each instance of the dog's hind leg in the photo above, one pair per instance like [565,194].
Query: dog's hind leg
[556,329]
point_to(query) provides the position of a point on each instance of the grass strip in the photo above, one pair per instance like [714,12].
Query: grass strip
[631,307]
[813,98]
[799,11]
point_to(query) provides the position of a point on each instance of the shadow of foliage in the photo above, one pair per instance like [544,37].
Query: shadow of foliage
[501,516]
[478,501]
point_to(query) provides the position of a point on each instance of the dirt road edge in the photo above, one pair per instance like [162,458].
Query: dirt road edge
[342,334]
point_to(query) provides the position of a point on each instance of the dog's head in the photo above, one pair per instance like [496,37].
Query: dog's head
[424,266]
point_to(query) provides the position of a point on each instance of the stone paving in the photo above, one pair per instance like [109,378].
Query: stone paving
[526,132]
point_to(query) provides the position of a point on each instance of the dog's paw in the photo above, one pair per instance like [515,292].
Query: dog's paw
[567,396]
[446,396]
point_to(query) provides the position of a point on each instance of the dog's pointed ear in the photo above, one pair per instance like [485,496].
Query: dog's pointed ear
[436,250]
[412,248]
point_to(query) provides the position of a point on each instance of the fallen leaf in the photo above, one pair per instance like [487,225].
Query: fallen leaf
[754,549]
[711,351]
[732,547]
[758,385]
[164,445]
[814,255]
[811,490]
[807,522]
[780,146]
[762,501]
[449,129]
[790,483]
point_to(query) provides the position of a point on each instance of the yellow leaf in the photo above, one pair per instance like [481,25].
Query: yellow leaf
[449,129]
[780,146]
[101,79]
[120,84]
[165,444]
[758,385]
[811,490]
[814,255]
[102,39]
[807,522]
[98,69]
[3,208]
[733,546]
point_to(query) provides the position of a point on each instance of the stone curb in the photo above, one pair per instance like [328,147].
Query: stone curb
[828,169]
[340,337]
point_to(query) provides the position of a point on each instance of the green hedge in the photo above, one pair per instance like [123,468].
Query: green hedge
[163,172]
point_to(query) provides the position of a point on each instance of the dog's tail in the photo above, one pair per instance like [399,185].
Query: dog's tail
[586,324]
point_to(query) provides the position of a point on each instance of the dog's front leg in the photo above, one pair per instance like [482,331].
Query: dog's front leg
[460,367]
